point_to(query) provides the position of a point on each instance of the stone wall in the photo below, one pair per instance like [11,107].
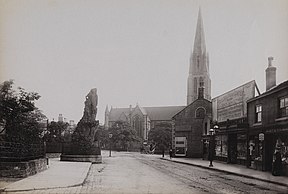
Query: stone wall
[14,152]
[22,169]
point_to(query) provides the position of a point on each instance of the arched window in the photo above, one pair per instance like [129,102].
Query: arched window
[200,112]
[138,125]
[201,81]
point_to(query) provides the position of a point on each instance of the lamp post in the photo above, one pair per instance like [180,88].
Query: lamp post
[110,136]
[212,144]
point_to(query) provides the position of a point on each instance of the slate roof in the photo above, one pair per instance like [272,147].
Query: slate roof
[162,113]
[276,88]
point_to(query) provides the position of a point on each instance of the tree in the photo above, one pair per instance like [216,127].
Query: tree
[19,117]
[122,135]
[56,131]
[103,136]
[161,135]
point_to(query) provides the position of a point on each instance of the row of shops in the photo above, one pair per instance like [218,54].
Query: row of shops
[247,148]
[252,142]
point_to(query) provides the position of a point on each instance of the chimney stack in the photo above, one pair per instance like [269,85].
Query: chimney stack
[270,75]
[60,118]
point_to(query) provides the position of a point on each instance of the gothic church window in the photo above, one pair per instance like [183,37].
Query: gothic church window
[201,82]
[137,125]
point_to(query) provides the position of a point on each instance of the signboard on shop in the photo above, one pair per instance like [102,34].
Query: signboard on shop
[261,136]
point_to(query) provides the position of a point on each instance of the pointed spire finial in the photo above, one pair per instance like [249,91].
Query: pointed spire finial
[199,42]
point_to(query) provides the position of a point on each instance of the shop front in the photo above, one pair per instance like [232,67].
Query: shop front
[231,147]
[277,141]
[263,145]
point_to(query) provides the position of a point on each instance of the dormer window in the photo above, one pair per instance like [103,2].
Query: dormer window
[283,107]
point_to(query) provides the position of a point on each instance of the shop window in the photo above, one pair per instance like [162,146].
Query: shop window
[258,114]
[241,146]
[221,145]
[283,107]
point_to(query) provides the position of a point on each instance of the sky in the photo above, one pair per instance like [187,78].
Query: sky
[135,51]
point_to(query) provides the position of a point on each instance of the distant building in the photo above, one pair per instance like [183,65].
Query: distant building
[60,118]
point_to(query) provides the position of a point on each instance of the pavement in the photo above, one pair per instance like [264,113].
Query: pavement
[234,169]
[62,174]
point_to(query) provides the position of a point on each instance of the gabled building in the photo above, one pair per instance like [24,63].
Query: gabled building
[190,124]
[194,120]
[230,115]
[268,123]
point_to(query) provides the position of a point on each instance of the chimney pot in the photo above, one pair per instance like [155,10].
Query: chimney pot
[270,75]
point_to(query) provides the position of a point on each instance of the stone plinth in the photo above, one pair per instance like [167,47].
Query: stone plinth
[73,153]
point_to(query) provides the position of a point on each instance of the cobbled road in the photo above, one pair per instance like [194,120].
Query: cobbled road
[140,173]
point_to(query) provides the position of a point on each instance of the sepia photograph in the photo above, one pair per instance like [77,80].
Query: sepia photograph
[143,96]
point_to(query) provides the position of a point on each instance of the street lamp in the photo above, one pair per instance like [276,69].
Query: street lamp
[110,136]
[212,144]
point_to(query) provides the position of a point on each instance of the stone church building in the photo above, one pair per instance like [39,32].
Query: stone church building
[194,120]
[197,113]
[141,119]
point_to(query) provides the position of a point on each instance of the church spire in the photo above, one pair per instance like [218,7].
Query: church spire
[199,65]
[199,42]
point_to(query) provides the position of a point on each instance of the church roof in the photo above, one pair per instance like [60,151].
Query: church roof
[115,113]
[162,113]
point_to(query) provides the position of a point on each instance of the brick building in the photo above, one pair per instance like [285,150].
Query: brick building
[268,116]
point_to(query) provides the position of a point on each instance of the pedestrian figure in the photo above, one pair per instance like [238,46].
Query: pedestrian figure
[277,163]
[170,153]
[142,149]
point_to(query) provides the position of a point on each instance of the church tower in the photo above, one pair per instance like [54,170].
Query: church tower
[199,66]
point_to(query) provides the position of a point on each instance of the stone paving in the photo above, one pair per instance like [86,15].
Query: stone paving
[73,177]
[58,175]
